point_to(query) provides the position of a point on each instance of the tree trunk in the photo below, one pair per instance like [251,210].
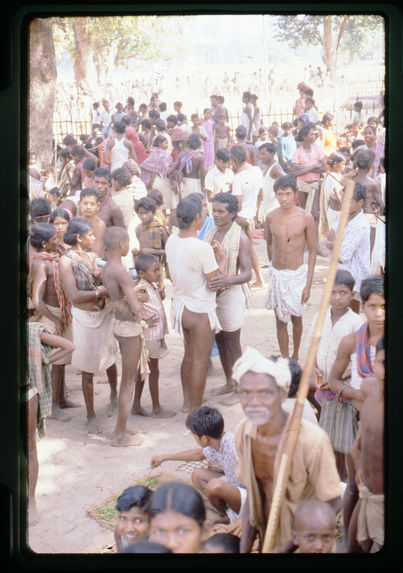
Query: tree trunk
[42,89]
[83,57]
[329,54]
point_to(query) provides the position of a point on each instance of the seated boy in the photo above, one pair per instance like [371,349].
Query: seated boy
[224,492]
[148,269]
[314,529]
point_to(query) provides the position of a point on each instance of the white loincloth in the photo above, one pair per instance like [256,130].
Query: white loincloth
[189,185]
[95,345]
[371,517]
[170,199]
[177,306]
[285,291]
[231,308]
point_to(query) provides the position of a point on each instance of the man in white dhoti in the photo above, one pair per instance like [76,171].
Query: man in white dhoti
[289,229]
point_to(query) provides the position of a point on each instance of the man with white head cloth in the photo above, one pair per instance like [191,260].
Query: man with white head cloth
[260,440]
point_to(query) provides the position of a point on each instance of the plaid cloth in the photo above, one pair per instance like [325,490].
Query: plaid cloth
[186,163]
[154,240]
[158,163]
[83,273]
[39,374]
[62,298]
[364,366]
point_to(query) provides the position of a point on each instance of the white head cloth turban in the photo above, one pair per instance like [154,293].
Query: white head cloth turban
[253,361]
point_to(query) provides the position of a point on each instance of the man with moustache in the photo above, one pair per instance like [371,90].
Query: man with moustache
[260,440]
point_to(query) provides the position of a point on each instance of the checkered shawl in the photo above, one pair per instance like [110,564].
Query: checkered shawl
[83,273]
[158,163]
[62,298]
[39,373]
[364,366]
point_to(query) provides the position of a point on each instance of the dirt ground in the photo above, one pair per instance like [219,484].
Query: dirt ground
[80,471]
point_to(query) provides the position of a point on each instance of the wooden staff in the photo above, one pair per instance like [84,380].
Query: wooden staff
[295,419]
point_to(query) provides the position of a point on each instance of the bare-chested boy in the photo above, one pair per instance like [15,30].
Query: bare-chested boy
[88,209]
[289,229]
[127,330]
[368,458]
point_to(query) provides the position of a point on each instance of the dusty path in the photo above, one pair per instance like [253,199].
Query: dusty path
[78,471]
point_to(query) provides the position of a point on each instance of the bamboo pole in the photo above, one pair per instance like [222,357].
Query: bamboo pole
[294,422]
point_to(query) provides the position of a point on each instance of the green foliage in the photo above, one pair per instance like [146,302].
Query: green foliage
[308,29]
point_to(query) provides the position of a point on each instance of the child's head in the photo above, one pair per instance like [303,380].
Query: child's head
[156,196]
[54,194]
[133,518]
[379,362]
[145,209]
[222,543]
[177,517]
[373,299]
[40,209]
[205,422]
[148,268]
[342,291]
[116,239]
[314,527]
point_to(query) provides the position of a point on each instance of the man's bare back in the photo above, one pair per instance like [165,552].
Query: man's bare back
[288,237]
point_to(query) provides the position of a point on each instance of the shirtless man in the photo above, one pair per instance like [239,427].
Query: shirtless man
[260,438]
[127,331]
[108,210]
[88,209]
[373,203]
[289,229]
[53,304]
[230,295]
[367,455]
[192,264]
[271,171]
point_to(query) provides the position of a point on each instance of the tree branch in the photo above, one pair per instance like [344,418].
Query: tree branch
[341,31]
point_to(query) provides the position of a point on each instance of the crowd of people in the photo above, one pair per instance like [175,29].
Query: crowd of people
[156,197]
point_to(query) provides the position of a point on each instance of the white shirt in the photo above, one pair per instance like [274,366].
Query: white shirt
[313,115]
[217,181]
[189,260]
[355,250]
[248,183]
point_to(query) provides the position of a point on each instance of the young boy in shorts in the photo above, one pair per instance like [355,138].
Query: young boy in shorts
[224,492]
[149,270]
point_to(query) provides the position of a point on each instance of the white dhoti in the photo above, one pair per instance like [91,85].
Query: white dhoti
[177,306]
[333,218]
[188,186]
[95,345]
[285,291]
[231,308]
[51,327]
[170,199]
[371,518]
